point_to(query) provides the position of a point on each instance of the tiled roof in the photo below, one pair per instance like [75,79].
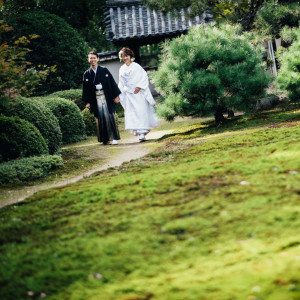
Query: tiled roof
[108,56]
[130,20]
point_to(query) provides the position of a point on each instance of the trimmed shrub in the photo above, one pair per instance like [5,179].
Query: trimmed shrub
[119,111]
[58,45]
[19,138]
[30,168]
[89,121]
[74,95]
[41,117]
[289,74]
[69,118]
[210,70]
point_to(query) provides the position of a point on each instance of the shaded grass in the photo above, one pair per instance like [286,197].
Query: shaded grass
[197,219]
[237,123]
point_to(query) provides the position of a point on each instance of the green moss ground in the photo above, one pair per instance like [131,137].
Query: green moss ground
[211,214]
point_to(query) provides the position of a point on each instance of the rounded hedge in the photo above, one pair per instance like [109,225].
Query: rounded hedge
[74,95]
[288,78]
[29,168]
[58,45]
[19,138]
[41,117]
[89,121]
[69,117]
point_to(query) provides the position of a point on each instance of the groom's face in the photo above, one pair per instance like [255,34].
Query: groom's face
[93,60]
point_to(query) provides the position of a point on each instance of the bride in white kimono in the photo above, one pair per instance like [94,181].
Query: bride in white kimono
[136,97]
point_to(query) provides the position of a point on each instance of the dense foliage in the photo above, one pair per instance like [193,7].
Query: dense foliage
[58,45]
[289,73]
[68,116]
[89,121]
[274,15]
[41,117]
[209,70]
[17,75]
[87,17]
[74,95]
[19,138]
[271,13]
[243,12]
[29,168]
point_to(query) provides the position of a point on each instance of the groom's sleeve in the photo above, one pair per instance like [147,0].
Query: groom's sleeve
[85,94]
[115,91]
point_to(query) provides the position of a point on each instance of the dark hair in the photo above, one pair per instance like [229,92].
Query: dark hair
[93,53]
[128,51]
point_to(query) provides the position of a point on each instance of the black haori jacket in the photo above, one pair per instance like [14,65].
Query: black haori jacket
[110,88]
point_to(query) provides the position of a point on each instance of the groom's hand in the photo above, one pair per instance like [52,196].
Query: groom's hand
[117,100]
[88,105]
[136,90]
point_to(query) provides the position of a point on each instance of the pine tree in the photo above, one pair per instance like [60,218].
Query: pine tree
[289,74]
[209,70]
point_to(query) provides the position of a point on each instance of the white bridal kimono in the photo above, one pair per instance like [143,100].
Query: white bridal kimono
[139,111]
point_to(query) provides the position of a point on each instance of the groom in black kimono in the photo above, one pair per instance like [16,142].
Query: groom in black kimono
[101,93]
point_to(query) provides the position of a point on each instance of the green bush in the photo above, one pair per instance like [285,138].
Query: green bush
[119,111]
[89,121]
[41,117]
[19,138]
[209,70]
[74,95]
[30,168]
[58,45]
[289,74]
[69,118]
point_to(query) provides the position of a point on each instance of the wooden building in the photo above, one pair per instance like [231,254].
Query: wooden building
[130,24]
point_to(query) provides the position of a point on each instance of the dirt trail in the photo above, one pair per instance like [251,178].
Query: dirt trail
[128,149]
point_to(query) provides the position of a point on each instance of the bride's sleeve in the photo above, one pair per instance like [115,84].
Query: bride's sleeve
[140,77]
[121,82]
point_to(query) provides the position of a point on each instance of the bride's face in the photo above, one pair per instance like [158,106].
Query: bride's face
[126,59]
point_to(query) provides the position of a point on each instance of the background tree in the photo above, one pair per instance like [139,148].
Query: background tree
[223,72]
[87,17]
[289,74]
[243,12]
[273,16]
[58,44]
[18,76]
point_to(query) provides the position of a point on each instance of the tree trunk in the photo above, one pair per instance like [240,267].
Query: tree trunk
[219,118]
[230,113]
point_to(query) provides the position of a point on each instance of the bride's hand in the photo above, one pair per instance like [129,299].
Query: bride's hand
[136,90]
[117,100]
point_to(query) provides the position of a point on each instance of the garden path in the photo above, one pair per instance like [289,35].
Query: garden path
[129,148]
